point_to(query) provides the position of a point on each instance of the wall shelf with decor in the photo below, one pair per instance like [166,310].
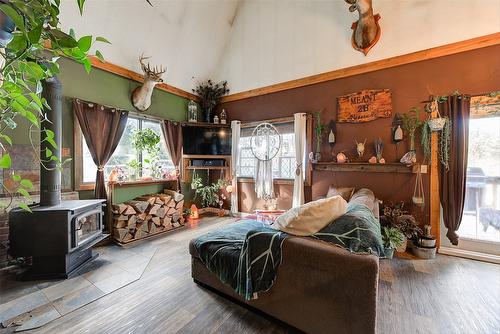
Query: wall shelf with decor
[362,167]
[206,124]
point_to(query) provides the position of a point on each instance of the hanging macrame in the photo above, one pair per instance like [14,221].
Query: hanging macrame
[265,145]
[418,192]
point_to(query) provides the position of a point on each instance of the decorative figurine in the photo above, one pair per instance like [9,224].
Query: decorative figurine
[379,147]
[360,148]
[398,134]
[341,158]
[331,135]
[223,117]
[216,119]
[192,112]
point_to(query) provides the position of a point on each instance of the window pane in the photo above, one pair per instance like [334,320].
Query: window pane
[89,167]
[481,216]
[164,164]
[125,151]
[283,163]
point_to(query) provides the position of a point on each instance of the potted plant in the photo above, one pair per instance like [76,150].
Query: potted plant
[392,238]
[209,193]
[411,122]
[210,94]
[396,216]
[318,129]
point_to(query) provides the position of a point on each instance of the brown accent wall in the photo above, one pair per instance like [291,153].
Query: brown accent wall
[471,72]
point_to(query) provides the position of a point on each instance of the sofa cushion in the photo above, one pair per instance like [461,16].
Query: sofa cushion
[311,217]
[345,192]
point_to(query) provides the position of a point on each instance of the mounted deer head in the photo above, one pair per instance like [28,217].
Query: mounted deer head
[360,148]
[366,31]
[141,96]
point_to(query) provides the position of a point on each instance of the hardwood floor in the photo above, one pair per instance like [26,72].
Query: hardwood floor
[445,295]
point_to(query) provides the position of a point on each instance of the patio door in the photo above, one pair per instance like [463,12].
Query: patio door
[480,227]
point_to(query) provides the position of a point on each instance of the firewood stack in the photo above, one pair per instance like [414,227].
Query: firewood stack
[147,215]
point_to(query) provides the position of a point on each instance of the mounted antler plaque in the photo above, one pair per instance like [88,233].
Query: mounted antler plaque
[364,106]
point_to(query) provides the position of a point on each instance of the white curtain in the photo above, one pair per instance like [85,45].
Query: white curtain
[299,126]
[235,160]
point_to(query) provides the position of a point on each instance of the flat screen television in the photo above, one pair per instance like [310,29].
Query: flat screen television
[200,140]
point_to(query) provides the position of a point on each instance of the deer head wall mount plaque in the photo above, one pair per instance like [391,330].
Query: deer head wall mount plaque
[366,30]
[141,96]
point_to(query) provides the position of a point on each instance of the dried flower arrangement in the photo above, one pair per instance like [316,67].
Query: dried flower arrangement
[210,94]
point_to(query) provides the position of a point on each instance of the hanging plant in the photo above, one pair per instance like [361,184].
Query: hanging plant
[443,127]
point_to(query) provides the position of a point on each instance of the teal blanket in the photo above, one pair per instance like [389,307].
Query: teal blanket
[246,255]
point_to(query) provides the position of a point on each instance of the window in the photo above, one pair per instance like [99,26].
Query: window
[124,154]
[481,216]
[283,164]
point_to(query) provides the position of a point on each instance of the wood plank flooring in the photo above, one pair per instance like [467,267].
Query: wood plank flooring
[445,295]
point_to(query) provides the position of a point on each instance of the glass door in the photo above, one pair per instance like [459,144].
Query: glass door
[481,218]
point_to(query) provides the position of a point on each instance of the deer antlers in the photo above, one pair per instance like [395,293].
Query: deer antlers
[147,69]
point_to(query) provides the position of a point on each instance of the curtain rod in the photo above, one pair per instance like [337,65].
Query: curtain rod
[134,113]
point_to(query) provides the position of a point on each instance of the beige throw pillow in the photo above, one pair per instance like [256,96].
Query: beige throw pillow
[345,192]
[311,217]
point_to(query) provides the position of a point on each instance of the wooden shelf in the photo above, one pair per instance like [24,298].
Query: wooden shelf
[207,167]
[362,167]
[206,124]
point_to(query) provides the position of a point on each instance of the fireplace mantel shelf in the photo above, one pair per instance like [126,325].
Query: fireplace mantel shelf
[362,167]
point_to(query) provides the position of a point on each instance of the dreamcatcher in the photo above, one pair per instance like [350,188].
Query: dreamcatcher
[265,144]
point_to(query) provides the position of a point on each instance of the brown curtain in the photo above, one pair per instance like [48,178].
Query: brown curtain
[102,128]
[453,181]
[172,132]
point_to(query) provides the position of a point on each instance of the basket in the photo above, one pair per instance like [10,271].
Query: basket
[436,124]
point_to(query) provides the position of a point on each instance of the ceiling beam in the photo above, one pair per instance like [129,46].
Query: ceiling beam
[440,51]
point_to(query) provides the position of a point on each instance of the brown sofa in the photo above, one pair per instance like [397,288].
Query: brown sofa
[319,288]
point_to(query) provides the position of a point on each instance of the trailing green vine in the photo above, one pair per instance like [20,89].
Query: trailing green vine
[209,193]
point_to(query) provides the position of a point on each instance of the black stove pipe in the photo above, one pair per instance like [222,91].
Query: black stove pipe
[50,173]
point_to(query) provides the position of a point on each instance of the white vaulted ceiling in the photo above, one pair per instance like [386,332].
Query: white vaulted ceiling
[254,43]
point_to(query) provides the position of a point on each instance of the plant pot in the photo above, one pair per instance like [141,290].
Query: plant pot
[436,124]
[402,248]
[424,252]
[389,253]
[427,242]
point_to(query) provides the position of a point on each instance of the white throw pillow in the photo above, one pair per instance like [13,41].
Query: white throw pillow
[311,217]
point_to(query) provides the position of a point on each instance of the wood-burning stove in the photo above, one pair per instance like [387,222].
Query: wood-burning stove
[58,236]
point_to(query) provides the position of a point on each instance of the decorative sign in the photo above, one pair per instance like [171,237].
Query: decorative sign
[364,106]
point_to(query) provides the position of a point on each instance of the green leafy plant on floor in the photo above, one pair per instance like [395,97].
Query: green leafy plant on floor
[208,193]
[31,43]
[392,237]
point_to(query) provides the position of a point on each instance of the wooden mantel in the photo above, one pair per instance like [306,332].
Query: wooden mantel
[362,167]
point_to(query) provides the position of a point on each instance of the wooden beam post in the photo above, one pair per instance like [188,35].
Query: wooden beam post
[435,206]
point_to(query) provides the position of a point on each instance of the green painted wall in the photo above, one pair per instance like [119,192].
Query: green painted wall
[104,88]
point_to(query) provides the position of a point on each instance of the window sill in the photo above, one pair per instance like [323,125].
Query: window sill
[138,183]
